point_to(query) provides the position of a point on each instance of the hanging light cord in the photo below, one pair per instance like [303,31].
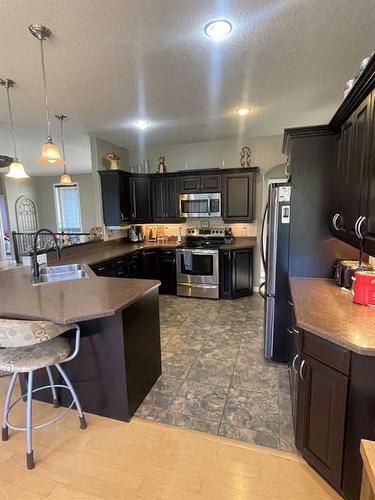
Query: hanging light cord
[45,91]
[62,143]
[12,126]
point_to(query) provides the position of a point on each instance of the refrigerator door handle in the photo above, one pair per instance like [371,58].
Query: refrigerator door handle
[261,292]
[262,248]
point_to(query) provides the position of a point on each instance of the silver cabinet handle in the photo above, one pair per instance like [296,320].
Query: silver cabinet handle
[359,228]
[290,330]
[287,169]
[301,369]
[294,363]
[334,222]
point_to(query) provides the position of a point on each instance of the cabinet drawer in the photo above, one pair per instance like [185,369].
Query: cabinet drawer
[103,269]
[326,352]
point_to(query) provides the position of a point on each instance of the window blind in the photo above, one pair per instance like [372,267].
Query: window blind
[68,213]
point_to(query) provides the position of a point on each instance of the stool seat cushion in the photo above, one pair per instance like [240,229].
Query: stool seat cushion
[24,359]
[20,333]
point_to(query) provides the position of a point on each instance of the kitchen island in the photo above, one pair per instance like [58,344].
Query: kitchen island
[119,359]
[332,379]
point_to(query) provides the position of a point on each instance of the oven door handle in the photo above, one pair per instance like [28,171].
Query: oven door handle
[197,252]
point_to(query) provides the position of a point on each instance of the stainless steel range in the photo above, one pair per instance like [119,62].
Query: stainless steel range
[198,263]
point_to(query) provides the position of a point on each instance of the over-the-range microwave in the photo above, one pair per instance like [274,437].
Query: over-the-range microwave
[200,205]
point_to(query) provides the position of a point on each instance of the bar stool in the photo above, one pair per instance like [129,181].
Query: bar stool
[29,346]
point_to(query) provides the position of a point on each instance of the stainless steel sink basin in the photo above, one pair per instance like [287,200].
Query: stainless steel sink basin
[69,268]
[62,276]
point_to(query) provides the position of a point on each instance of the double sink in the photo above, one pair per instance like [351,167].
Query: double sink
[51,274]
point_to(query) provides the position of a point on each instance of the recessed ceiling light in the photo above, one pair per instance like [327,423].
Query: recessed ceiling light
[218,30]
[142,124]
[243,111]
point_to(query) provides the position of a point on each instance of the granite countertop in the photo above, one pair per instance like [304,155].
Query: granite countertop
[323,308]
[112,250]
[67,301]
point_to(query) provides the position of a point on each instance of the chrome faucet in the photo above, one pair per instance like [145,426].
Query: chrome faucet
[35,278]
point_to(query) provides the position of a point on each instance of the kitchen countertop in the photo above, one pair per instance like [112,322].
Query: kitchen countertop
[112,250]
[323,308]
[67,301]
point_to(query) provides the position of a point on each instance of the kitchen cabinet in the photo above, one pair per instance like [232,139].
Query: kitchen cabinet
[321,410]
[151,264]
[239,197]
[208,183]
[236,273]
[103,269]
[168,272]
[352,201]
[165,199]
[115,197]
[140,195]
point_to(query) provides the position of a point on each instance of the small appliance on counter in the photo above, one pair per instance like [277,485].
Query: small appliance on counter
[228,235]
[135,234]
[153,233]
[345,269]
[364,288]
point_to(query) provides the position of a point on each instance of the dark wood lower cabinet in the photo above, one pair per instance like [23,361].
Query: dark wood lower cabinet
[321,412]
[334,410]
[236,273]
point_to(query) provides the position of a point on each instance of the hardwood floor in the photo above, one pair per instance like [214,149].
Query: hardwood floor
[146,460]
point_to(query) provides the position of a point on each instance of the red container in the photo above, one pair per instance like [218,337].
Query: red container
[364,287]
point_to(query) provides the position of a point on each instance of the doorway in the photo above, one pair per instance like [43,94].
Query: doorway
[5,243]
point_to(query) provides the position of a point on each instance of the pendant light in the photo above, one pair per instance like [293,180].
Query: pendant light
[65,178]
[50,154]
[16,170]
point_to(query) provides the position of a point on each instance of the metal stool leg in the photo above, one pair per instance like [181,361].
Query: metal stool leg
[4,430]
[29,449]
[55,399]
[75,398]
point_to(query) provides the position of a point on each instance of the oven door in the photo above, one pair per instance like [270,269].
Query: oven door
[197,266]
[200,205]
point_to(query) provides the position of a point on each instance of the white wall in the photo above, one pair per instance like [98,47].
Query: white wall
[46,204]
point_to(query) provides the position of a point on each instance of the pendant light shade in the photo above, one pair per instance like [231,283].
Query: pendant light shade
[50,154]
[16,170]
[65,178]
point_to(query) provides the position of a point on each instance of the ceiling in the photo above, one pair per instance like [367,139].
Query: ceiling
[114,61]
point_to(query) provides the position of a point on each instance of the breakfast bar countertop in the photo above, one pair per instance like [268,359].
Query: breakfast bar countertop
[67,301]
[323,308]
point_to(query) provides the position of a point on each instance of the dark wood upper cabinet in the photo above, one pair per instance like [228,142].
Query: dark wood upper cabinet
[115,197]
[370,195]
[140,195]
[239,197]
[209,183]
[320,425]
[165,198]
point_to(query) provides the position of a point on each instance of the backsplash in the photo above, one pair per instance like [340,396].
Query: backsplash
[172,229]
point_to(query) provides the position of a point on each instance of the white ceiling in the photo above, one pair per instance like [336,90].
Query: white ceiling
[111,62]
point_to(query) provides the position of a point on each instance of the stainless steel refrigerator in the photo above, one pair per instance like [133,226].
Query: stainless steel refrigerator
[275,256]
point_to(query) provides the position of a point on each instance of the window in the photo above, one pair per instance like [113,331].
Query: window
[68,212]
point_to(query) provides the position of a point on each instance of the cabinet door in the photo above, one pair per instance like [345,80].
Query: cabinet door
[242,272]
[239,197]
[115,197]
[158,199]
[190,183]
[359,166]
[370,209]
[168,272]
[225,274]
[321,410]
[340,191]
[210,183]
[151,264]
[172,198]
[141,199]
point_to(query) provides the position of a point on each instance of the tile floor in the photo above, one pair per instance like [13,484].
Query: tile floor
[215,378]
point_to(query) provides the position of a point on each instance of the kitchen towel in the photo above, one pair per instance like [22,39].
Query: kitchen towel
[188,261]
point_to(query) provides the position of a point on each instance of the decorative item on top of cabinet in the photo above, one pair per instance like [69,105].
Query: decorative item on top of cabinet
[245,157]
[161,166]
[113,158]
